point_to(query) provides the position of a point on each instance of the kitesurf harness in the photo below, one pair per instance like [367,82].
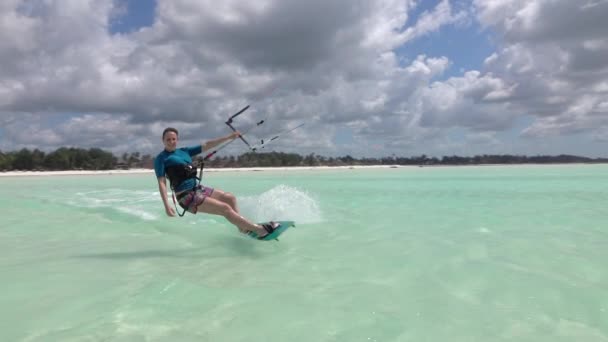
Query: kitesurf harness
[178,174]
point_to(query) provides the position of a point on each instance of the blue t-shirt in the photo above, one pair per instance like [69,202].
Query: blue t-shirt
[180,156]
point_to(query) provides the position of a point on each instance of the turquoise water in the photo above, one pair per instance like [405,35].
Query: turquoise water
[408,254]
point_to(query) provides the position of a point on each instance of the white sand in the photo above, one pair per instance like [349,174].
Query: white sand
[290,168]
[146,171]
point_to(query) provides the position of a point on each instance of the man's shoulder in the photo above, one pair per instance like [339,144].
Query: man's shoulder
[162,155]
[193,150]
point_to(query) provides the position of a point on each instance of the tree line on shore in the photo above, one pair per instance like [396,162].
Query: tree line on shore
[97,159]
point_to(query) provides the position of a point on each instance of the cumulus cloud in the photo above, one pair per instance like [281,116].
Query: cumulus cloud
[201,61]
[556,57]
[70,80]
[551,64]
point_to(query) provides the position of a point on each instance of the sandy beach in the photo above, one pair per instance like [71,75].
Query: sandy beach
[145,171]
[248,169]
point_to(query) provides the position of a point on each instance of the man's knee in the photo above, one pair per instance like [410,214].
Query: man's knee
[230,197]
[225,209]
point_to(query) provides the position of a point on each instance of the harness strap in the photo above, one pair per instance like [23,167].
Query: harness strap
[175,204]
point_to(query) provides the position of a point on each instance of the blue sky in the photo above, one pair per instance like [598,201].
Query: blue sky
[450,77]
[137,14]
[467,44]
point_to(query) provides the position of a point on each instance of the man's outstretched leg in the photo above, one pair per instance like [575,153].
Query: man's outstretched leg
[217,207]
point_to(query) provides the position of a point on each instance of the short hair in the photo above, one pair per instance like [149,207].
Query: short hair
[170,129]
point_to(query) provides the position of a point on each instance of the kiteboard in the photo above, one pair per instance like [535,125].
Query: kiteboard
[283,226]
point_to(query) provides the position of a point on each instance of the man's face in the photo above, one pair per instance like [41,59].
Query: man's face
[170,141]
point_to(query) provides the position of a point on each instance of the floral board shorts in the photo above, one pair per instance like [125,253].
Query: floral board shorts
[192,199]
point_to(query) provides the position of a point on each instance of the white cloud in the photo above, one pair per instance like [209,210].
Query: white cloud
[331,64]
[433,21]
[556,53]
[200,60]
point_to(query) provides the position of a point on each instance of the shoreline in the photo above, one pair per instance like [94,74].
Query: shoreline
[226,169]
[258,169]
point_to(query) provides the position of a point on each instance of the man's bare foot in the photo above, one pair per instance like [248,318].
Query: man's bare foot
[265,229]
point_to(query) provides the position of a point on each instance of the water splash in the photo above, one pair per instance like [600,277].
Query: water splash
[282,203]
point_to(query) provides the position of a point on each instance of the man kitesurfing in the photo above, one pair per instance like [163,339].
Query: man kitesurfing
[176,164]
